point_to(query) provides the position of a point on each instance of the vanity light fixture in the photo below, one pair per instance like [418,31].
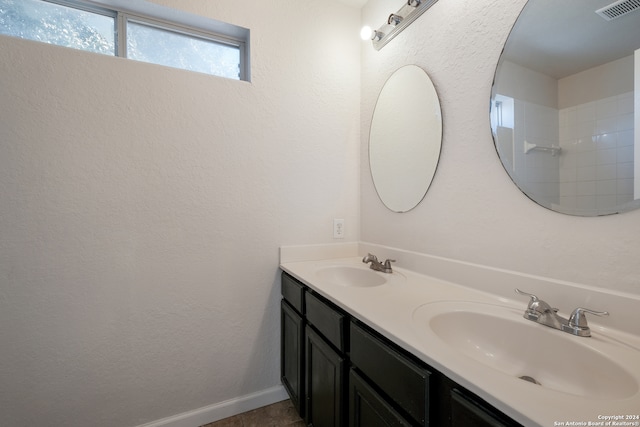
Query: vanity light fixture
[396,22]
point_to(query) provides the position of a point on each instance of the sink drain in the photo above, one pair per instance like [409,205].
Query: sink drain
[529,379]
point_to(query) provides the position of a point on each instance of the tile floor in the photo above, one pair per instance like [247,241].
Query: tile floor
[281,414]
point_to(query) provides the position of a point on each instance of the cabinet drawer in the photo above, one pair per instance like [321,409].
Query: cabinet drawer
[326,319]
[293,292]
[402,380]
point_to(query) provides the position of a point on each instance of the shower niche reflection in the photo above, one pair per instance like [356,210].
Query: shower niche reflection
[564,113]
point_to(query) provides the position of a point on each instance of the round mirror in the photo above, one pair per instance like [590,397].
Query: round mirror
[562,106]
[405,138]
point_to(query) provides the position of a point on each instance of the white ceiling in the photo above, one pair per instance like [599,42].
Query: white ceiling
[562,37]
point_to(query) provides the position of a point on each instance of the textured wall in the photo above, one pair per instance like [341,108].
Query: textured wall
[473,212]
[141,211]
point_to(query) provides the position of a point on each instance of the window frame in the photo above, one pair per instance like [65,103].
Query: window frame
[85,7]
[123,18]
[156,16]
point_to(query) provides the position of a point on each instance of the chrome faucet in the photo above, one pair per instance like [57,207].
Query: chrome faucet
[377,265]
[540,312]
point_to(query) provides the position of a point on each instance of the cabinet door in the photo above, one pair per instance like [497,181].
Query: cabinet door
[292,355]
[367,408]
[324,383]
[467,412]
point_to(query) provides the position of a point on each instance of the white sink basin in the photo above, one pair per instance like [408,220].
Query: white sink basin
[351,276]
[499,338]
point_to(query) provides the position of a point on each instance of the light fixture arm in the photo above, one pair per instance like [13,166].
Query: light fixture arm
[394,19]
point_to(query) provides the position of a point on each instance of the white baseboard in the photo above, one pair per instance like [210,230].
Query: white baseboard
[219,411]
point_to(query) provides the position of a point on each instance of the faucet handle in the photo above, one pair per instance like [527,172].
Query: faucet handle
[532,302]
[536,306]
[387,266]
[578,318]
[533,297]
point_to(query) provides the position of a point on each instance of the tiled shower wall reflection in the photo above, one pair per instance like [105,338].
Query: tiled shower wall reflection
[538,171]
[596,164]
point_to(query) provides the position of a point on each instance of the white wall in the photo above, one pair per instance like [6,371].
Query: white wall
[473,212]
[527,85]
[141,211]
[604,81]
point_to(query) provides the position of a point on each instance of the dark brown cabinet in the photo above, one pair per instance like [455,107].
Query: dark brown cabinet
[403,381]
[467,411]
[338,371]
[313,362]
[291,359]
[325,383]
[325,362]
[292,326]
[367,408]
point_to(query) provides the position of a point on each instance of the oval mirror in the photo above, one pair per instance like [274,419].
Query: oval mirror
[405,138]
[562,105]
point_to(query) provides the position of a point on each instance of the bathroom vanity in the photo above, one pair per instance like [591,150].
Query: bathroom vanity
[367,348]
[339,371]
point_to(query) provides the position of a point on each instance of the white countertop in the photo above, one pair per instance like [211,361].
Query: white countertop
[390,309]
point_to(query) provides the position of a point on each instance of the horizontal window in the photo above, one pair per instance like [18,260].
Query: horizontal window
[139,34]
[58,24]
[174,49]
